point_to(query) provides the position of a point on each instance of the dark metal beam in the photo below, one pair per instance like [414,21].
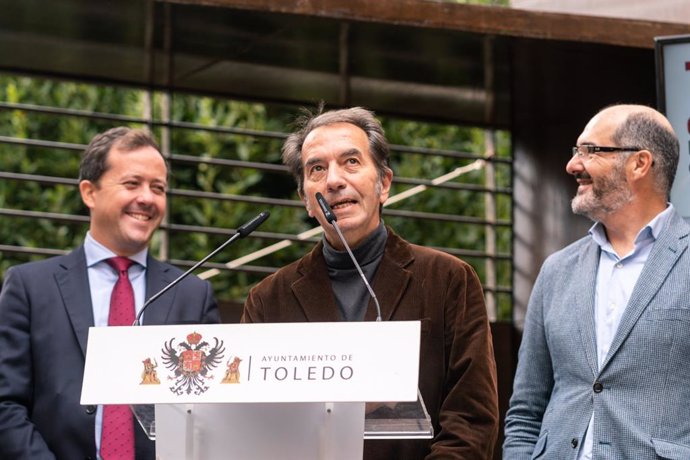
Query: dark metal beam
[491,20]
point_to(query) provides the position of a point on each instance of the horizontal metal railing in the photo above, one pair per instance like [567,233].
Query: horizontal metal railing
[266,167]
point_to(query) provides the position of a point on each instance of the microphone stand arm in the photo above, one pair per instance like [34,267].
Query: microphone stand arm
[177,280]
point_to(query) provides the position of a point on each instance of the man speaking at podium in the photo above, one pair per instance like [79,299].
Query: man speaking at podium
[343,155]
[47,307]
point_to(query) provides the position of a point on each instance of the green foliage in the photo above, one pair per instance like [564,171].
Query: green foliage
[236,186]
[466,203]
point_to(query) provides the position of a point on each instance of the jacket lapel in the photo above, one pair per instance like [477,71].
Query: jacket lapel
[157,277]
[313,290]
[584,287]
[672,243]
[391,277]
[389,284]
[73,283]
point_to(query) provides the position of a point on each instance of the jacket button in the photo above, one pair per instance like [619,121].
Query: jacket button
[573,442]
[90,409]
[598,387]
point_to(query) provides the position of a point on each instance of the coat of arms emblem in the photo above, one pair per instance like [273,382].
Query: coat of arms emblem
[191,363]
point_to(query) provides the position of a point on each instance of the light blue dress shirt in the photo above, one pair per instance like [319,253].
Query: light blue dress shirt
[616,279]
[102,278]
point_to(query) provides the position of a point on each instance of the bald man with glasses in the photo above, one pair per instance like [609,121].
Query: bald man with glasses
[604,364]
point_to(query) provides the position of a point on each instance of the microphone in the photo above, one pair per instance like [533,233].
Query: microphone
[331,219]
[241,232]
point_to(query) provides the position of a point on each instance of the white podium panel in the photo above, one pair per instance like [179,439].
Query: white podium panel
[260,391]
[287,362]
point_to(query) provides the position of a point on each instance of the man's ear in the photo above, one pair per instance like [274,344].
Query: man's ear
[303,197]
[386,185]
[87,190]
[644,160]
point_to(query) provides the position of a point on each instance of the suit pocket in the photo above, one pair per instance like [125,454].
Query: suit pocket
[668,314]
[671,450]
[540,446]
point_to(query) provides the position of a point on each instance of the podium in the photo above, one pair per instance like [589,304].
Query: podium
[262,391]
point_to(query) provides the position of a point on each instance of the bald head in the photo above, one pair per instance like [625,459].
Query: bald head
[619,113]
[646,129]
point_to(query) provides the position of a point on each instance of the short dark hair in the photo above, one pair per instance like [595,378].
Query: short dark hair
[94,162]
[309,121]
[644,131]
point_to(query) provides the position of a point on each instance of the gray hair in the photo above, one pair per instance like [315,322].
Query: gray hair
[358,116]
[642,130]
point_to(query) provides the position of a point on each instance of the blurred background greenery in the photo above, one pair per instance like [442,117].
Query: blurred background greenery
[204,159]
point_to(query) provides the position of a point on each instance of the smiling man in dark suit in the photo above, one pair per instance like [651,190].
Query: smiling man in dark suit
[343,155]
[47,307]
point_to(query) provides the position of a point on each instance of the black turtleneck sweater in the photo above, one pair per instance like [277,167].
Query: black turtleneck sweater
[351,294]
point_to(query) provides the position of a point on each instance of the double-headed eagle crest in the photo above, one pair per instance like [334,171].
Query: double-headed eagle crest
[191,362]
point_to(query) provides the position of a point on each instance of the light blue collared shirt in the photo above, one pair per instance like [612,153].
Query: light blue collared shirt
[102,278]
[616,279]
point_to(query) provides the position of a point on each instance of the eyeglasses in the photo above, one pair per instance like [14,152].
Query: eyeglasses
[587,150]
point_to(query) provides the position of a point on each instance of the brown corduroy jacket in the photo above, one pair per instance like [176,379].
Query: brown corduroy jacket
[457,373]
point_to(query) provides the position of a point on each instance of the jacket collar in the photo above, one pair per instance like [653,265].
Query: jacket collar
[73,282]
[670,245]
[158,275]
[315,295]
[668,248]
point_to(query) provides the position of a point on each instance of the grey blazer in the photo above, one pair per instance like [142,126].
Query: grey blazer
[45,314]
[641,394]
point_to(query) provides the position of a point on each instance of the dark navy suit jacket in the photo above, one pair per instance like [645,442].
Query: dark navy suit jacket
[45,315]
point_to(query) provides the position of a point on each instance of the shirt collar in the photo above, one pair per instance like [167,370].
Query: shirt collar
[95,252]
[650,231]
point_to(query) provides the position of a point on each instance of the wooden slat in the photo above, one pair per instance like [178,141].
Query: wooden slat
[471,18]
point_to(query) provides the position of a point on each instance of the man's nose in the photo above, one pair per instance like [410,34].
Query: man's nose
[146,194]
[335,179]
[575,165]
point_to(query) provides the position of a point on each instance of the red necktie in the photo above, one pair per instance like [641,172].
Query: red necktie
[117,437]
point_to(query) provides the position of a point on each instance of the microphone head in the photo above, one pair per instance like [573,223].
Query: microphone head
[325,208]
[253,224]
